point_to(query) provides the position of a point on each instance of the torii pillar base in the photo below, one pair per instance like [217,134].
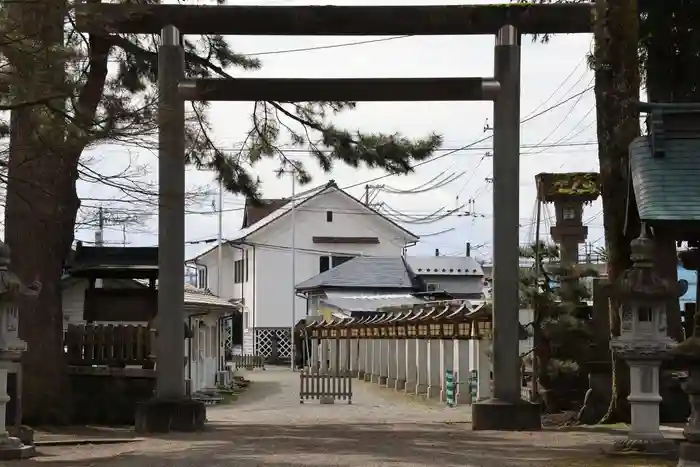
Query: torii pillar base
[159,415]
[499,415]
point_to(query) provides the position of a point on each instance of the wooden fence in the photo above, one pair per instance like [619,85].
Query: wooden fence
[109,345]
[249,362]
[325,387]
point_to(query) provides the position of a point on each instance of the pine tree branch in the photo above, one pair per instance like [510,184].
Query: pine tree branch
[32,102]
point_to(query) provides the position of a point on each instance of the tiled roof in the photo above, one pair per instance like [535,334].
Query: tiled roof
[196,296]
[666,188]
[364,272]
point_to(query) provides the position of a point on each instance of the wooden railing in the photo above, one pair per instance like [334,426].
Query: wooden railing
[326,388]
[249,362]
[109,345]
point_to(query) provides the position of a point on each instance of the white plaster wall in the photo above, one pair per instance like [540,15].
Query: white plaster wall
[273,267]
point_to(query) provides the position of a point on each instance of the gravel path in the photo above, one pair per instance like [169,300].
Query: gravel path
[267,427]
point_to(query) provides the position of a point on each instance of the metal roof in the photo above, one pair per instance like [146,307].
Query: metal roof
[666,187]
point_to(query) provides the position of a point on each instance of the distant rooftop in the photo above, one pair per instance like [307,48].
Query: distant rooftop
[369,303]
[445,265]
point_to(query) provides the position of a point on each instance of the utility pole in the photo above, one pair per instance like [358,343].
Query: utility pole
[366,195]
[536,333]
[293,172]
[220,253]
[99,235]
[99,239]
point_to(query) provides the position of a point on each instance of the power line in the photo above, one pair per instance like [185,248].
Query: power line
[481,140]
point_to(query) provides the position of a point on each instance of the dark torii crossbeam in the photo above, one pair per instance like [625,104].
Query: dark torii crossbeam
[506,411]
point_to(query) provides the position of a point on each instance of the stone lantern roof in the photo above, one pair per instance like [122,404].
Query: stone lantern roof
[641,282]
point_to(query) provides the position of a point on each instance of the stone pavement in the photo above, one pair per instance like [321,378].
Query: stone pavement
[267,426]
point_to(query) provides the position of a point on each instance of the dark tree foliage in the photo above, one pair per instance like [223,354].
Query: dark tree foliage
[558,296]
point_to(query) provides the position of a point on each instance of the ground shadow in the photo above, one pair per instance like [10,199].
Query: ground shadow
[363,444]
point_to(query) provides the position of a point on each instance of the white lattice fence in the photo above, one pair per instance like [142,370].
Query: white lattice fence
[228,335]
[264,338]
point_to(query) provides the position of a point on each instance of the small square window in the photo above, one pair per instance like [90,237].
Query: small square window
[329,216]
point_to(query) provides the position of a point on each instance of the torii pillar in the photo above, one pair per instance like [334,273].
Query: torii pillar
[506,410]
[171,409]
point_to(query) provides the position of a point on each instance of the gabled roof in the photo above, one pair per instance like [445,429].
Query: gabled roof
[364,272]
[304,198]
[285,207]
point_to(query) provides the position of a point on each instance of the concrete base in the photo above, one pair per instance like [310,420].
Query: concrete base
[399,385]
[421,389]
[689,455]
[495,414]
[23,432]
[12,448]
[463,399]
[433,392]
[166,415]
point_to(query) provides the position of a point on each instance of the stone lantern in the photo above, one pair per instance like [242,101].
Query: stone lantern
[688,354]
[11,346]
[643,342]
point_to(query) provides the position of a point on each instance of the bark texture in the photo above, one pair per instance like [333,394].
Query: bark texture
[617,91]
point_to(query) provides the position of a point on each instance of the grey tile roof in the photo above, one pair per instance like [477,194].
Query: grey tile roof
[666,188]
[363,272]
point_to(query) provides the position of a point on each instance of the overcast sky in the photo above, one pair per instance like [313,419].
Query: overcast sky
[562,139]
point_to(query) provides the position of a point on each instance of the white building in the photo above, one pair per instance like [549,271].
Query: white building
[330,227]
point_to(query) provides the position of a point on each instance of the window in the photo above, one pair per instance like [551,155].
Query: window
[238,272]
[327,262]
[569,213]
[324,263]
[329,216]
[202,278]
[432,287]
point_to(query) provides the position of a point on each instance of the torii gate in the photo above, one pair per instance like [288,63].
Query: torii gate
[170,408]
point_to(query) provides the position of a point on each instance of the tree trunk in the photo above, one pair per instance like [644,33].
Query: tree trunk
[617,91]
[40,212]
